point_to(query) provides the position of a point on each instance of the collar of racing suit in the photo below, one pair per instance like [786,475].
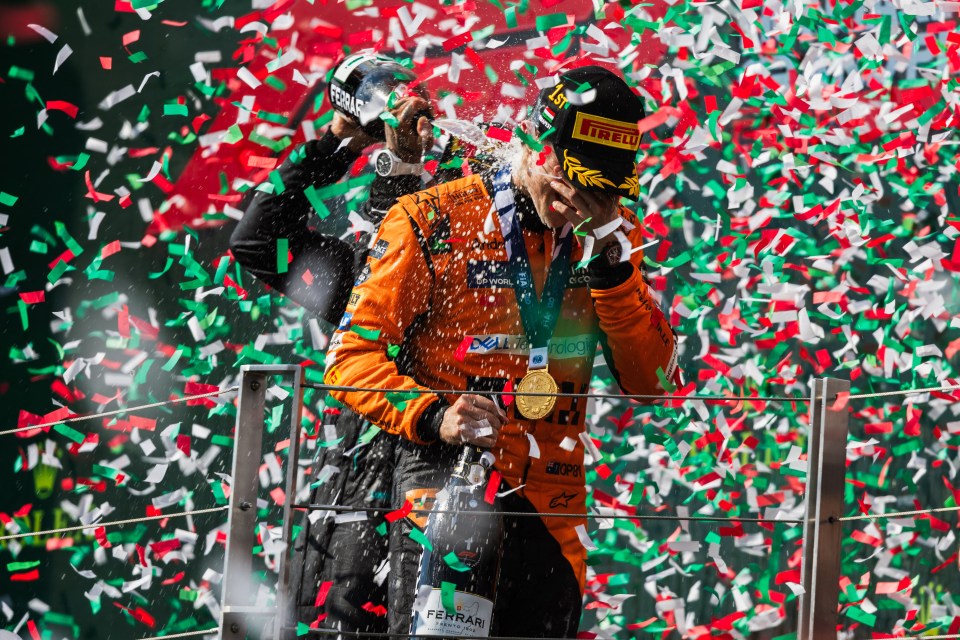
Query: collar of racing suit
[526,213]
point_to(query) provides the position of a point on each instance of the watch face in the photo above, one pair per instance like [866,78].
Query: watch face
[384,164]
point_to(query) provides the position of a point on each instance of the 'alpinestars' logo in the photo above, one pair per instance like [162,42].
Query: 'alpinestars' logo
[562,500]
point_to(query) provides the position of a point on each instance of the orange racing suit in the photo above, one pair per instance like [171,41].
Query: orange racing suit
[437,284]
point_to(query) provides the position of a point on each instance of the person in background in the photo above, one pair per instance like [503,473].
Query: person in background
[338,569]
[484,283]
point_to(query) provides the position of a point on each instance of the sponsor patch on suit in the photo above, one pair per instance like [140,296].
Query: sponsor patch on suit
[379,249]
[488,274]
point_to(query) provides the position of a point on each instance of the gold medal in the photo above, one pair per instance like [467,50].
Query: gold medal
[536,407]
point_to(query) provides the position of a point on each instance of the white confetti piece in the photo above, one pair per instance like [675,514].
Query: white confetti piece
[585,540]
[48,35]
[62,56]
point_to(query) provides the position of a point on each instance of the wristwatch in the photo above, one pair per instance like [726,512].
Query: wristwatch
[386,163]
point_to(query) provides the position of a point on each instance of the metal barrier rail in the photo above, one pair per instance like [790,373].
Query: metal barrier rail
[826,470]
[111,523]
[103,414]
[541,394]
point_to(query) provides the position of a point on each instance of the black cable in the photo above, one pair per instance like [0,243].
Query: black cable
[531,514]
[611,396]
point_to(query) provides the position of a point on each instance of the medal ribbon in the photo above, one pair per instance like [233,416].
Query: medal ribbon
[539,317]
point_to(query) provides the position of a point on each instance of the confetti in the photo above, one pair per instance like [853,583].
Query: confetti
[797,183]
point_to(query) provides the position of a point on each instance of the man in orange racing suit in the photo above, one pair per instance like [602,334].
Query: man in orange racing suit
[481,281]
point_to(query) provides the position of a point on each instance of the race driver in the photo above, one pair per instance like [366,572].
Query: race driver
[480,283]
[337,571]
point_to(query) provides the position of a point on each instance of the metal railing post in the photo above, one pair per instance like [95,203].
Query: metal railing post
[826,475]
[293,464]
[239,592]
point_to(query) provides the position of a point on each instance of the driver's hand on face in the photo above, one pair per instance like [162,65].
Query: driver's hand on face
[472,419]
[587,210]
[413,134]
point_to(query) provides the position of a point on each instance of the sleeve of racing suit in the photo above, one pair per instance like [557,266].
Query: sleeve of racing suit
[637,339]
[284,216]
[389,299]
[319,257]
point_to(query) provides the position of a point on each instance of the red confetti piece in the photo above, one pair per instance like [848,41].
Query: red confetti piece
[164,547]
[131,37]
[61,105]
[497,133]
[32,297]
[457,41]
[29,576]
[322,593]
[375,609]
[507,396]
[493,485]
[400,513]
[463,348]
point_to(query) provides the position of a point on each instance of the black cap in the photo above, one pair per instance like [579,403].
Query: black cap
[593,116]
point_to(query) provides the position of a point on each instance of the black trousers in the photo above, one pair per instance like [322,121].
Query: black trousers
[538,594]
[349,555]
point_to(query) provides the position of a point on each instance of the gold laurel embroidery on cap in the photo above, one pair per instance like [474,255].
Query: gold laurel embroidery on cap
[632,184]
[587,177]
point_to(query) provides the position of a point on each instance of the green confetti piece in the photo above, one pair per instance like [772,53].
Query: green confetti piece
[454,562]
[382,529]
[175,109]
[369,434]
[69,432]
[367,334]
[276,118]
[528,140]
[447,591]
[311,193]
[283,255]
[399,399]
[277,181]
[222,267]
[8,199]
[24,320]
[510,15]
[58,270]
[303,629]
[275,83]
[861,616]
[218,493]
[67,239]
[551,20]
[22,566]
[419,537]
[390,119]
[233,134]
[19,73]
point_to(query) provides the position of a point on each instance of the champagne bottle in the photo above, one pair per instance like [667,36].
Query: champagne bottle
[461,523]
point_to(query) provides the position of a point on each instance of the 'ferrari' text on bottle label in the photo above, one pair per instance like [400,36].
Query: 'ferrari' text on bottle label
[471,616]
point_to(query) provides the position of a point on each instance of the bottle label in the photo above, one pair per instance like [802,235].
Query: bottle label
[471,617]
